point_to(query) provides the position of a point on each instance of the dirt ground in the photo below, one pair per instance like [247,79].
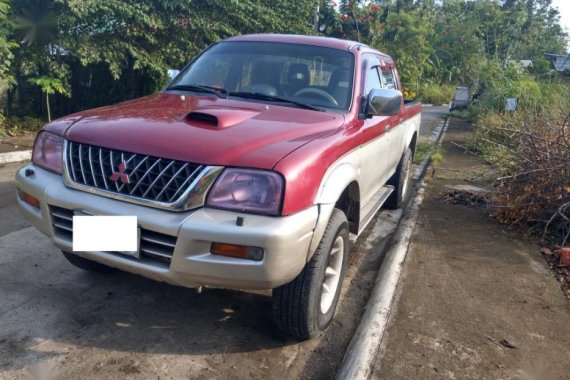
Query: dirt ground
[61,321]
[474,301]
[12,144]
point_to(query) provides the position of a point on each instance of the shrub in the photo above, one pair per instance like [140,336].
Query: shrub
[16,125]
[409,94]
[434,94]
[537,193]
[530,149]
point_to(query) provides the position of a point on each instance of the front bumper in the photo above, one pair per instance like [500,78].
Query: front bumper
[285,240]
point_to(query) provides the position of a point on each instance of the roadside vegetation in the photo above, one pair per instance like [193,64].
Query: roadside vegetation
[435,94]
[530,148]
[426,149]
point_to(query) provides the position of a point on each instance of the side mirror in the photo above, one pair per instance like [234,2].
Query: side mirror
[383,102]
[172,73]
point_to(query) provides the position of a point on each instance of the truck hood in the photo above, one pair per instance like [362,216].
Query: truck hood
[203,130]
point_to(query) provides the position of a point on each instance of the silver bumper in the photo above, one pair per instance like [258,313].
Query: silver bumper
[285,240]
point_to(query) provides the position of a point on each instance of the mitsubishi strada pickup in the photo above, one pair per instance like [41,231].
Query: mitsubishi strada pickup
[248,171]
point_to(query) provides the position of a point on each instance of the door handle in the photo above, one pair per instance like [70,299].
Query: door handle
[387,128]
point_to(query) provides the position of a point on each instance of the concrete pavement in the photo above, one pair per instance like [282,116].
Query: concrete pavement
[475,300]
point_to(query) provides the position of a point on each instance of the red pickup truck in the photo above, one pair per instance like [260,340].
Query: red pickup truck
[249,171]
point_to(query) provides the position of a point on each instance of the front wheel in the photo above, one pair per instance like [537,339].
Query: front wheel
[305,307]
[401,182]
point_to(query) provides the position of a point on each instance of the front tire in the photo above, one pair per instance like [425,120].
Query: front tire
[87,265]
[305,307]
[401,181]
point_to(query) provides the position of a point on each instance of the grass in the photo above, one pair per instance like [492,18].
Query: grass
[460,114]
[425,149]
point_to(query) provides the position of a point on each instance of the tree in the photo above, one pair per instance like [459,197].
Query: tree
[356,20]
[406,39]
[135,40]
[49,86]
[458,50]
[6,45]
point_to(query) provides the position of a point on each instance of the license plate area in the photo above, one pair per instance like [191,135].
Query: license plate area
[101,233]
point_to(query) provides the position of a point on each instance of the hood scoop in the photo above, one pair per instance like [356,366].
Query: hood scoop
[202,117]
[219,118]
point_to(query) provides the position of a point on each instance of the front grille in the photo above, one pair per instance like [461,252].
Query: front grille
[154,246]
[129,174]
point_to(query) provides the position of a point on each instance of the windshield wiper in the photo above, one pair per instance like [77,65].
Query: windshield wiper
[257,95]
[199,88]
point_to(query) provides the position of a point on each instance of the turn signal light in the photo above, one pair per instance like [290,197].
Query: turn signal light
[237,251]
[29,199]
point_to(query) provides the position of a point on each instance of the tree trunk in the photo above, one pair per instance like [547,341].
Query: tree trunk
[48,110]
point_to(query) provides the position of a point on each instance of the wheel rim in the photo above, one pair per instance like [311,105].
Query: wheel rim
[332,275]
[407,175]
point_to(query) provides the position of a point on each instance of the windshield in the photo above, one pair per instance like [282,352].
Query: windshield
[315,76]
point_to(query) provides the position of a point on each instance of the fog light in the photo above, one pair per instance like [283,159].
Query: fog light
[237,251]
[29,199]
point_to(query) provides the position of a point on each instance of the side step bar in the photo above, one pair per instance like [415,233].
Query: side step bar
[372,207]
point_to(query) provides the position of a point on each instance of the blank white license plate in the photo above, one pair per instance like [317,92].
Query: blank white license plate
[106,233]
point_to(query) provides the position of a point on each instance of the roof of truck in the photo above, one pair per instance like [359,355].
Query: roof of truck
[329,42]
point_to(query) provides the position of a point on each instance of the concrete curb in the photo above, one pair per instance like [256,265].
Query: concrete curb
[360,356]
[21,155]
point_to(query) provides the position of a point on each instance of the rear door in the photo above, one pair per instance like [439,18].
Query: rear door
[375,149]
[398,126]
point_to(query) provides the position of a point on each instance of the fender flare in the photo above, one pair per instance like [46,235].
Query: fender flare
[335,182]
[330,190]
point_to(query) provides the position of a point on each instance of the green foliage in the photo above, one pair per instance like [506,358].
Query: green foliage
[533,96]
[434,94]
[101,52]
[50,85]
[458,48]
[5,44]
[540,66]
[356,20]
[427,149]
[134,40]
[405,39]
[157,34]
[537,100]
[529,148]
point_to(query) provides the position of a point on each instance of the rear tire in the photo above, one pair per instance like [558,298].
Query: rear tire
[401,181]
[87,265]
[305,307]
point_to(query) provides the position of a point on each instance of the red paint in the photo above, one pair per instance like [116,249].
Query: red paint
[299,144]
[333,43]
[254,136]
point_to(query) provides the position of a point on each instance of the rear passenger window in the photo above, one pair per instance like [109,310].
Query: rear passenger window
[388,79]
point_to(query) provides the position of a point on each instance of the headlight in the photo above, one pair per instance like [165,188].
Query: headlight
[246,190]
[48,152]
